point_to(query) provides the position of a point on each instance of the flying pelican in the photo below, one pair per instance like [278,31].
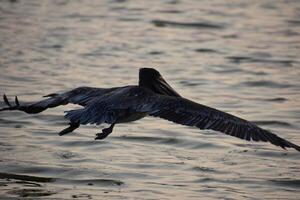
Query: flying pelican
[153,96]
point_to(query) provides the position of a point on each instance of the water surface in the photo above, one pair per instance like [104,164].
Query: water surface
[238,56]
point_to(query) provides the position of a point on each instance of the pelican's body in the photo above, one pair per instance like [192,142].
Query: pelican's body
[113,107]
[153,96]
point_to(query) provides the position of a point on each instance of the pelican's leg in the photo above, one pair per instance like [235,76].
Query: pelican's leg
[105,132]
[72,127]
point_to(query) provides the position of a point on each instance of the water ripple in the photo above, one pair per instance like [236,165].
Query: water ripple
[241,56]
[265,83]
[99,182]
[287,182]
[205,50]
[248,59]
[199,25]
[26,177]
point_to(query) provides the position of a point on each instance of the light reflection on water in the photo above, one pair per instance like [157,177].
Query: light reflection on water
[238,56]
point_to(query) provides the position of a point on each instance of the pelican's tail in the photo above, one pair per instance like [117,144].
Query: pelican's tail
[74,115]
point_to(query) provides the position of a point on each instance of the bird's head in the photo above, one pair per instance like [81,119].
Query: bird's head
[152,79]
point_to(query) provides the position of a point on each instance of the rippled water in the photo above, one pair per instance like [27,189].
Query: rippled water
[238,56]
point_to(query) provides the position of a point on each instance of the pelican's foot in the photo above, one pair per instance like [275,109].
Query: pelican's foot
[105,133]
[101,136]
[72,127]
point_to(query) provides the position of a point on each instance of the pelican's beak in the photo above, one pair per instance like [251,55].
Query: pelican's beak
[164,88]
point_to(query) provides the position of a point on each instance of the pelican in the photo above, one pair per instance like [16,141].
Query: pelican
[153,96]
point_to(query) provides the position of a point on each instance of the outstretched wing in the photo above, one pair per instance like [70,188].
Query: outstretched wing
[186,112]
[81,96]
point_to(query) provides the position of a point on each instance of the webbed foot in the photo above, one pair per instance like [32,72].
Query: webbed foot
[105,132]
[71,128]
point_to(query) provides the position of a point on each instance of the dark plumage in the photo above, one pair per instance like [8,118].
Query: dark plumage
[154,97]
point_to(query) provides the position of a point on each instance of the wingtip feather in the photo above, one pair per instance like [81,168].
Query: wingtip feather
[6,100]
[17,101]
[291,145]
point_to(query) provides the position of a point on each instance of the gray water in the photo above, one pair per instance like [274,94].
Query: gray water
[238,56]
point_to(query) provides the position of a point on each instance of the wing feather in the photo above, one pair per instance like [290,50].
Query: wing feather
[81,96]
[186,112]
